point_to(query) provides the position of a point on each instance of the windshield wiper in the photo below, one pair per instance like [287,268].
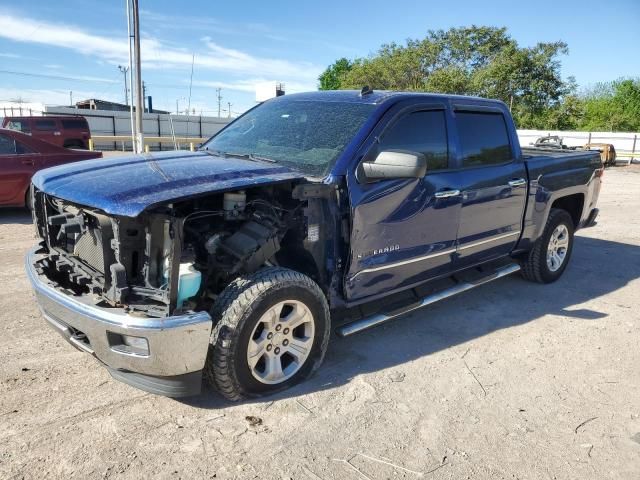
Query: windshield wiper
[247,156]
[250,156]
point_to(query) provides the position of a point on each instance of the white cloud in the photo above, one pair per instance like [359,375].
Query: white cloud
[155,53]
[9,55]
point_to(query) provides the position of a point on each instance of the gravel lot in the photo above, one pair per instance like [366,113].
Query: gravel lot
[511,380]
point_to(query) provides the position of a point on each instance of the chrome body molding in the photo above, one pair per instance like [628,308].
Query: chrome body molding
[400,263]
[447,251]
[488,240]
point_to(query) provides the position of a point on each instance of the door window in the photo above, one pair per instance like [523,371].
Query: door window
[7,145]
[422,132]
[46,125]
[484,139]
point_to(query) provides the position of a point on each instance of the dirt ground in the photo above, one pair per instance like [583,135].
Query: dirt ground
[512,380]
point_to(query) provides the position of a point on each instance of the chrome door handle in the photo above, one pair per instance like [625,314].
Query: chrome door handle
[517,182]
[447,193]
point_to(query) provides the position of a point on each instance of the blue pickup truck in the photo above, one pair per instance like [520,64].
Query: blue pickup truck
[231,262]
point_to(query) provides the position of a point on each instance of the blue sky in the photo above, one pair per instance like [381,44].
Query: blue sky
[239,44]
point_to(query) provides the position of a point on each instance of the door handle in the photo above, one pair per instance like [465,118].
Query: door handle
[447,193]
[27,162]
[517,182]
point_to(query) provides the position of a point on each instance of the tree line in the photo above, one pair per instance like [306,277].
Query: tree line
[487,62]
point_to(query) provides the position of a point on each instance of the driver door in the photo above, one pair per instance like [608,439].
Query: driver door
[404,230]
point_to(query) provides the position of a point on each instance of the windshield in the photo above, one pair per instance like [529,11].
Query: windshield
[306,135]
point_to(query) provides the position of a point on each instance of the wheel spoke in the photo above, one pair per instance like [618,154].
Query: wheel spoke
[257,349]
[300,348]
[296,317]
[273,368]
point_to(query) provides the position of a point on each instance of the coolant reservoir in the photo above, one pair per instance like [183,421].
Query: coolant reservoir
[189,280]
[233,204]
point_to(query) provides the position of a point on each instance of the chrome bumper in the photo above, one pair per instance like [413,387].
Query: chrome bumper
[177,345]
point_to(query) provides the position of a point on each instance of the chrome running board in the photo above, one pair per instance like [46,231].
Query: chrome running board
[368,322]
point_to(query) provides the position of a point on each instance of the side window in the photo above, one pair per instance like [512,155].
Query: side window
[45,124]
[424,132]
[483,138]
[7,145]
[75,124]
[19,125]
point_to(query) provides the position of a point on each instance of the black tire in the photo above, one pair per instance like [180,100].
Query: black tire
[534,265]
[236,313]
[76,144]
[27,200]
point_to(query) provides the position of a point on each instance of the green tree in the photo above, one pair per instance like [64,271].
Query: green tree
[475,60]
[612,106]
[331,78]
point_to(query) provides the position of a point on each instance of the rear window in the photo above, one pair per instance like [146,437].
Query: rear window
[45,124]
[19,125]
[75,124]
[484,138]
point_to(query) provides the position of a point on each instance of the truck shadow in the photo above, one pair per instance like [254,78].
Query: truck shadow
[14,216]
[598,267]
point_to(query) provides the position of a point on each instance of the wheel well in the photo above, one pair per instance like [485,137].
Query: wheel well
[74,142]
[572,204]
[298,259]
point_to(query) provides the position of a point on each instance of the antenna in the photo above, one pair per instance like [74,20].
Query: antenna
[366,90]
[193,59]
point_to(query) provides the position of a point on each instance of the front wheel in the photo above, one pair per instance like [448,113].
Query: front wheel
[550,255]
[272,330]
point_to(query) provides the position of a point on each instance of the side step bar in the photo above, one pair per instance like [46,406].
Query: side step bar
[368,322]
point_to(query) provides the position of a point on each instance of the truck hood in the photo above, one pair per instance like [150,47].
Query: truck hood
[129,185]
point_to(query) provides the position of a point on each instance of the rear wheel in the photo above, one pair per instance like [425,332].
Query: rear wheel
[550,255]
[272,330]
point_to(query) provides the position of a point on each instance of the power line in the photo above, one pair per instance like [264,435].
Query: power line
[57,77]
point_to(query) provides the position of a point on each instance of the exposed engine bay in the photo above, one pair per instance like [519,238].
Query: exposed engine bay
[180,256]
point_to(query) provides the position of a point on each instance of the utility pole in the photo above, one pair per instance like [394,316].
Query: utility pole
[124,71]
[218,90]
[229,111]
[130,69]
[138,67]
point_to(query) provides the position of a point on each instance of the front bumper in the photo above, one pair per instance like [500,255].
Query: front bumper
[177,346]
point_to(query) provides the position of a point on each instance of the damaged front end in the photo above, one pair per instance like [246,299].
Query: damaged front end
[180,256]
[118,261]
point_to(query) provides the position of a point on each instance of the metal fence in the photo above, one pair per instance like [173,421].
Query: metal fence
[112,129]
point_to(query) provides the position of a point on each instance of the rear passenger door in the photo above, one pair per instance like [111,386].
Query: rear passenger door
[493,184]
[404,230]
[47,129]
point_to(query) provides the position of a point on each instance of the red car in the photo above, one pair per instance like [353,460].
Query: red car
[21,156]
[68,131]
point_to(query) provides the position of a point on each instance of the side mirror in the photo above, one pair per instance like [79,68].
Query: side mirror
[395,164]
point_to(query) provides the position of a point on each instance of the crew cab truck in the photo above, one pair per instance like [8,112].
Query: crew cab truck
[232,261]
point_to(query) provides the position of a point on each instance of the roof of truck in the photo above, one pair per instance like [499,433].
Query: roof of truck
[375,96]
